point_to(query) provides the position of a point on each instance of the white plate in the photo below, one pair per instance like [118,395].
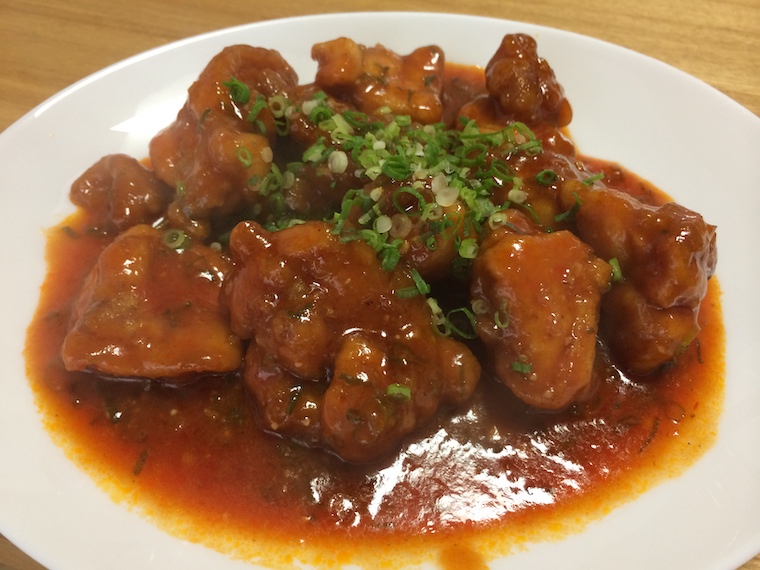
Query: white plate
[684,136]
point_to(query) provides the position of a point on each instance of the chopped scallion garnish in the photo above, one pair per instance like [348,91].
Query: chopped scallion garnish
[175,238]
[547,177]
[399,392]
[244,156]
[569,214]
[617,272]
[522,367]
[469,319]
[469,248]
[591,179]
[240,93]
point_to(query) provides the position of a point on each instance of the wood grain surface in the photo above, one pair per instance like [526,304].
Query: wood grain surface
[46,45]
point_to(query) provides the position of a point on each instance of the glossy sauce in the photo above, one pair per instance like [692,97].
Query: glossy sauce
[476,483]
[494,469]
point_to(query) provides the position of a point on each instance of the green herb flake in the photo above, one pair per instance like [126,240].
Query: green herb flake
[569,214]
[399,392]
[617,272]
[240,93]
[522,367]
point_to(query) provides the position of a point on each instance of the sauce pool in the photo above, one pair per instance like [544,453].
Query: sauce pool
[475,484]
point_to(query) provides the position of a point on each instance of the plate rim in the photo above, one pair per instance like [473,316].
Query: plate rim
[41,109]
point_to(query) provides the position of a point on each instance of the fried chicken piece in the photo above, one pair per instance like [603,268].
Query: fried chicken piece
[121,192]
[334,345]
[219,148]
[537,298]
[644,337]
[525,85]
[668,252]
[376,77]
[149,311]
[666,255]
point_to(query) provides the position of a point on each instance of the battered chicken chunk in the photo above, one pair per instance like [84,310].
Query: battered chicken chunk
[340,356]
[537,309]
[668,252]
[219,148]
[375,77]
[519,85]
[666,255]
[525,85]
[120,192]
[642,336]
[149,311]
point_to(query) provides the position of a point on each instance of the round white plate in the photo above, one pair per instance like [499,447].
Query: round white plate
[690,140]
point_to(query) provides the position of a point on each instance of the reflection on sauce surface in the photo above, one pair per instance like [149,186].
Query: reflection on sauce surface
[473,485]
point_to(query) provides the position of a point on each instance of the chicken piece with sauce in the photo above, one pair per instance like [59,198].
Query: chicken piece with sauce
[340,356]
[666,255]
[219,147]
[536,297]
[375,77]
[120,193]
[148,310]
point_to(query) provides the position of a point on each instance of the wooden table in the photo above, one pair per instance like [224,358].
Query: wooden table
[45,45]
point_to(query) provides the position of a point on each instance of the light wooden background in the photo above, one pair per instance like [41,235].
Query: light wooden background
[45,45]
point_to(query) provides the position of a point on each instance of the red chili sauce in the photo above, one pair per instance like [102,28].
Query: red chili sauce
[474,484]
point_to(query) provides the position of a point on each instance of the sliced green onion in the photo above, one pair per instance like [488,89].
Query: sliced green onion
[469,317]
[420,283]
[277,204]
[522,367]
[479,306]
[259,104]
[497,219]
[517,195]
[440,322]
[244,156]
[399,392]
[547,177]
[316,153]
[408,190]
[278,104]
[617,272]
[570,213]
[401,226]
[396,167]
[356,119]
[337,162]
[497,320]
[175,238]
[320,113]
[383,224]
[420,287]
[240,93]
[389,258]
[469,248]
[591,179]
